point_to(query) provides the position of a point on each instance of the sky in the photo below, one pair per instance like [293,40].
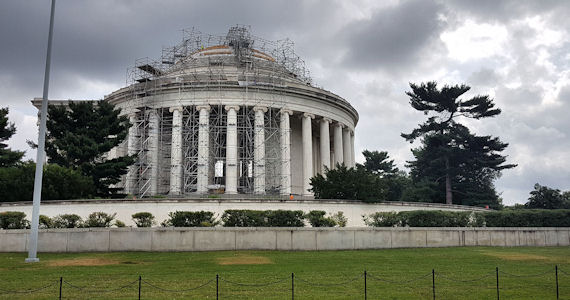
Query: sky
[517,52]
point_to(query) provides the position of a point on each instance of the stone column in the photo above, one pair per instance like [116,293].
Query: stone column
[338,150]
[325,145]
[153,150]
[231,149]
[285,140]
[346,147]
[132,149]
[352,158]
[176,152]
[307,135]
[259,150]
[203,148]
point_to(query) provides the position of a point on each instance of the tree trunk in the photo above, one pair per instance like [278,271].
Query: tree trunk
[448,194]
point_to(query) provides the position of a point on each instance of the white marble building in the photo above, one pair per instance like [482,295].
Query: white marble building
[231,114]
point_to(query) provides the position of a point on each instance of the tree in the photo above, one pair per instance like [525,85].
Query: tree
[394,180]
[467,163]
[546,198]
[378,163]
[348,183]
[8,157]
[80,135]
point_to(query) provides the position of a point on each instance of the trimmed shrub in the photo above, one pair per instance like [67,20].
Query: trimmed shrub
[285,218]
[45,222]
[382,219]
[190,219]
[99,219]
[340,219]
[505,218]
[120,224]
[67,221]
[317,219]
[143,219]
[13,220]
[528,218]
[244,218]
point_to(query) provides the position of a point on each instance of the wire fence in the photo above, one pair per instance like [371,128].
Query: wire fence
[493,284]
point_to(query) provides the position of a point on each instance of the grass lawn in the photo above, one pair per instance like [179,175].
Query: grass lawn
[460,273]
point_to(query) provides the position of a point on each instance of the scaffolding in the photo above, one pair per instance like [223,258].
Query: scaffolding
[204,67]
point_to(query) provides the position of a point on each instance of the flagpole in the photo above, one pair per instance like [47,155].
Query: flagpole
[33,245]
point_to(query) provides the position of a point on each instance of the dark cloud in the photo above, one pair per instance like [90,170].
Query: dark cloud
[394,37]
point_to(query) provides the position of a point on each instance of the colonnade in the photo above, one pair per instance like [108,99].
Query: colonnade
[343,145]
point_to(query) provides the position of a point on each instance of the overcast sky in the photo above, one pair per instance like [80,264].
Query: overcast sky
[518,52]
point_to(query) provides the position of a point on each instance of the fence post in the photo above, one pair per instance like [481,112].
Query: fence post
[497,272]
[140,279]
[217,284]
[433,282]
[61,284]
[292,286]
[556,270]
[365,293]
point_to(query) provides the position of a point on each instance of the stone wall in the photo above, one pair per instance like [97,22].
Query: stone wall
[224,238]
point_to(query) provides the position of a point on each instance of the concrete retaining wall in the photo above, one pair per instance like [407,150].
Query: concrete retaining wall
[222,238]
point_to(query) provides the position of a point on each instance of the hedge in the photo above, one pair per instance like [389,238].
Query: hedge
[438,218]
[262,218]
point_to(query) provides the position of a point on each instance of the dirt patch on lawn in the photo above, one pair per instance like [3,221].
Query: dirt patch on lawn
[244,260]
[83,262]
[516,256]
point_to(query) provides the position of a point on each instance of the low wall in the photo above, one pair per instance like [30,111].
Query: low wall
[224,238]
[160,208]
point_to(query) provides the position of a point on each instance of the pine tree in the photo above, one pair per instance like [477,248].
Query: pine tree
[80,135]
[468,163]
[8,158]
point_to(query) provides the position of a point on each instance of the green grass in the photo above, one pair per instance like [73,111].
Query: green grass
[393,274]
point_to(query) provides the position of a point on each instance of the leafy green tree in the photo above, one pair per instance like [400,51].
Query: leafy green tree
[466,164]
[394,180]
[79,136]
[8,157]
[345,183]
[59,183]
[546,198]
[379,163]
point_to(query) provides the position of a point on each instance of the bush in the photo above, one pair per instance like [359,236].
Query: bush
[67,221]
[190,219]
[99,219]
[45,222]
[13,220]
[382,219]
[244,218]
[285,218]
[505,218]
[143,219]
[528,218]
[340,219]
[120,224]
[317,219]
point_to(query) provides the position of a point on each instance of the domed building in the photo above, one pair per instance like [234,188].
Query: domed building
[232,114]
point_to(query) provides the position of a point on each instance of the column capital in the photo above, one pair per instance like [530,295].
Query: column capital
[326,120]
[178,108]
[201,107]
[260,108]
[305,115]
[230,107]
[339,124]
[286,111]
